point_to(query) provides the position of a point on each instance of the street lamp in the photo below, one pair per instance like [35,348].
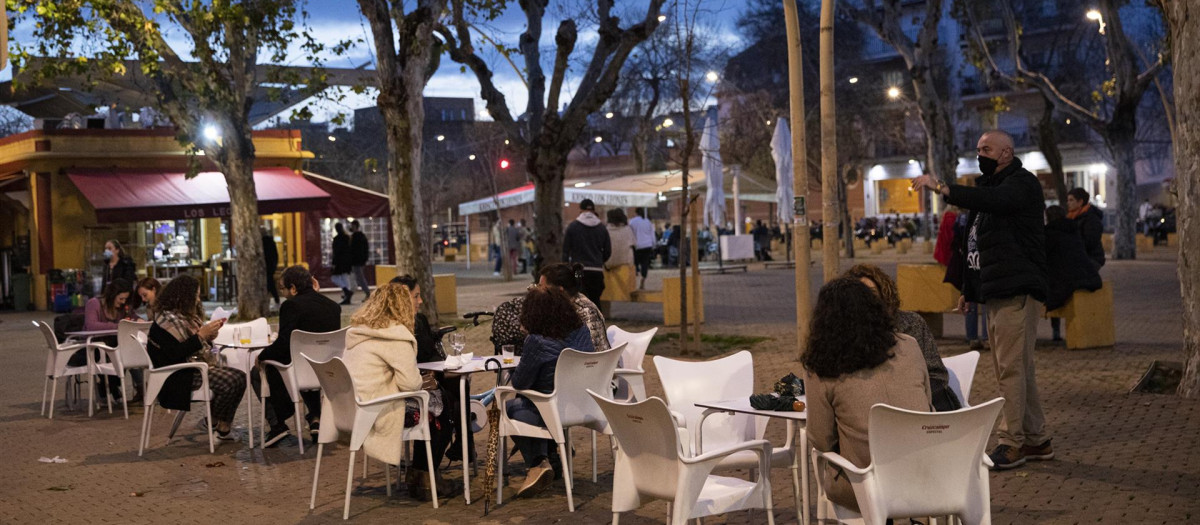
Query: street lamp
[211,133]
[471,157]
[332,138]
[441,138]
[668,123]
[608,115]
[662,18]
[1095,16]
[599,139]
[712,76]
[893,92]
[853,80]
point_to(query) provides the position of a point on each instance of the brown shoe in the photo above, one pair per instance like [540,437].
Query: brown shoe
[1041,452]
[537,479]
[418,485]
[1005,457]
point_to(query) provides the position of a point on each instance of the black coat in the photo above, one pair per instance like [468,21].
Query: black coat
[124,269]
[1068,264]
[270,255]
[1011,237]
[341,254]
[165,350]
[309,311]
[360,249]
[588,245]
[1091,228]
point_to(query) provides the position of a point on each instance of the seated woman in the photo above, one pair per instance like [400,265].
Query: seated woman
[381,355]
[178,335]
[1068,265]
[105,313]
[552,325]
[443,427]
[506,324]
[854,360]
[912,325]
[147,291]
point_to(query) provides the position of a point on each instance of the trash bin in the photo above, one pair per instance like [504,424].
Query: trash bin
[20,290]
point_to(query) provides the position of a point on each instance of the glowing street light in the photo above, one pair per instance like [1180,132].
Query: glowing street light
[441,138]
[712,76]
[212,133]
[893,92]
[332,138]
[599,139]
[608,115]
[662,18]
[471,157]
[668,123]
[1095,16]
[853,80]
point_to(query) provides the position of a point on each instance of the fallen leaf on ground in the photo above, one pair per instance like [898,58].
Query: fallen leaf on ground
[60,488]
[214,465]
[136,494]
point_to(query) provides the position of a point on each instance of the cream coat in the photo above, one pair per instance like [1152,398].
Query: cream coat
[383,362]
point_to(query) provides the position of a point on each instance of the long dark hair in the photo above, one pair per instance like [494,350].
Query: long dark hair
[116,287]
[851,330]
[563,275]
[549,312]
[180,297]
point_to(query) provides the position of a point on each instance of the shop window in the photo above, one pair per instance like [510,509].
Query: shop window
[375,228]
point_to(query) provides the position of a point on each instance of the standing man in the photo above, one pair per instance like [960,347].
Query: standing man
[643,245]
[1143,215]
[587,243]
[341,263]
[360,253]
[270,262]
[1005,267]
[309,310]
[513,236]
[1090,222]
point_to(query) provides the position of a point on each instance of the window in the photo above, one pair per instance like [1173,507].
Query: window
[375,228]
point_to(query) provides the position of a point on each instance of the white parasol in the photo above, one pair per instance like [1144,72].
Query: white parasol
[710,148]
[781,151]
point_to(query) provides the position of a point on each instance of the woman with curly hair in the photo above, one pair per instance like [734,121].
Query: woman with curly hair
[913,325]
[179,334]
[853,360]
[553,325]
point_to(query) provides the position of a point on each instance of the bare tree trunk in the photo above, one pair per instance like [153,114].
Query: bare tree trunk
[1185,36]
[1046,131]
[830,211]
[847,236]
[800,234]
[238,167]
[548,167]
[1120,139]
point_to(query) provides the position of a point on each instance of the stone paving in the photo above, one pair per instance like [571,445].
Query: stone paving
[1121,457]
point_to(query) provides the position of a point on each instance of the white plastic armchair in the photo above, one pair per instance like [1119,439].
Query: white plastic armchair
[345,415]
[260,331]
[664,470]
[56,366]
[155,378]
[569,405]
[686,383]
[127,355]
[298,376]
[631,384]
[922,464]
[962,374]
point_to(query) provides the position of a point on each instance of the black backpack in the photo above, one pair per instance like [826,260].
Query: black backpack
[67,323]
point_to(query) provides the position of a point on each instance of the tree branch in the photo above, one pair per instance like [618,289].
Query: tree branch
[458,45]
[565,42]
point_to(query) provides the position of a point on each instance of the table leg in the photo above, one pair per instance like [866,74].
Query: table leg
[91,366]
[463,437]
[803,459]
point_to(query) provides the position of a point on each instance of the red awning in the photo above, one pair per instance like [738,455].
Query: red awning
[127,195]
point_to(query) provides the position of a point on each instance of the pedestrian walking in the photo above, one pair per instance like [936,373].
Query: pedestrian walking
[586,242]
[643,247]
[360,254]
[1006,269]
[621,237]
[341,263]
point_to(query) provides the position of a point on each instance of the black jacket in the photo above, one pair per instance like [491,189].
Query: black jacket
[270,255]
[360,249]
[1067,263]
[1012,252]
[309,311]
[124,269]
[341,254]
[165,350]
[539,358]
[1091,228]
[587,242]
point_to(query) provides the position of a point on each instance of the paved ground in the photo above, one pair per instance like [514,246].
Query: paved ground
[1122,458]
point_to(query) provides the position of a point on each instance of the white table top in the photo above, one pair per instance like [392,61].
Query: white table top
[253,345]
[92,333]
[476,365]
[742,406]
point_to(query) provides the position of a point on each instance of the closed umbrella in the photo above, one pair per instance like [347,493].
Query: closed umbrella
[714,199]
[781,151]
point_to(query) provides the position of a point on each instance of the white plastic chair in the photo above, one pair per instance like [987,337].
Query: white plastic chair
[686,383]
[652,462]
[298,375]
[962,374]
[243,360]
[126,356]
[569,405]
[342,412]
[57,355]
[631,384]
[155,378]
[922,464]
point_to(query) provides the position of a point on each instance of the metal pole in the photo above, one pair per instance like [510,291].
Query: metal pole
[799,176]
[736,172]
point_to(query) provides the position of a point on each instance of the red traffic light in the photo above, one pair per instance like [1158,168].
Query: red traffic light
[503,164]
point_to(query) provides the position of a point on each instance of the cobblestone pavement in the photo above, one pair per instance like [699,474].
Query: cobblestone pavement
[1122,458]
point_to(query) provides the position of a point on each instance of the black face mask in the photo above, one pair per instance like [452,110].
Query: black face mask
[987,166]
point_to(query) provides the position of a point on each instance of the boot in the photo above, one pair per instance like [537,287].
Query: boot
[418,485]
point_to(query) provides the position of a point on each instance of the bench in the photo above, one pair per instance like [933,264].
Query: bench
[1089,317]
[779,264]
[725,268]
[445,288]
[922,291]
[668,296]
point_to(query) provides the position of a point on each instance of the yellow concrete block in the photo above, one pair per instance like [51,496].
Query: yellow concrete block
[901,248]
[450,251]
[922,290]
[927,247]
[445,287]
[619,283]
[906,243]
[818,245]
[1173,240]
[671,314]
[1106,240]
[1145,244]
[449,257]
[1089,318]
[384,273]
[859,244]
[877,248]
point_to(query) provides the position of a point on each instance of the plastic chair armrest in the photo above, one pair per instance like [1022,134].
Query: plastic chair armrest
[275,364]
[759,446]
[71,347]
[845,464]
[629,372]
[680,419]
[508,392]
[203,367]
[988,461]
[403,396]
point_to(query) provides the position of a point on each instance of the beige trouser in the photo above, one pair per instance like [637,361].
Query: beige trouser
[1012,330]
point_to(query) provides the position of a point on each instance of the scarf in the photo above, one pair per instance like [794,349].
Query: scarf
[181,328]
[1082,210]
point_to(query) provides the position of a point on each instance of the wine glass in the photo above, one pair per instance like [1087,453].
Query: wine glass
[458,341]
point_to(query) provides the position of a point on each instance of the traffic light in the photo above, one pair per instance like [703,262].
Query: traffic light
[503,164]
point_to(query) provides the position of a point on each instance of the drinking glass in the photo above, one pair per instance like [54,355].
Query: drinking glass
[457,342]
[506,354]
[246,335]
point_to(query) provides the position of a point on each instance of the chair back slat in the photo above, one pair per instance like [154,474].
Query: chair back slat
[129,350]
[575,374]
[686,383]
[318,346]
[647,442]
[962,374]
[637,345]
[338,389]
[928,463]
